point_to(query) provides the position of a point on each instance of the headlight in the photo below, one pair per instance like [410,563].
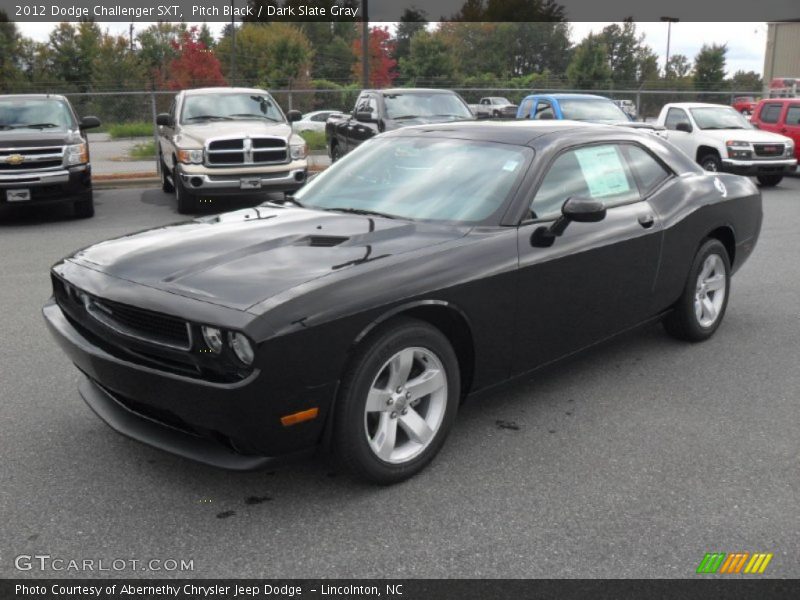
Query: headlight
[213,338]
[77,154]
[790,148]
[739,149]
[241,347]
[190,156]
[299,151]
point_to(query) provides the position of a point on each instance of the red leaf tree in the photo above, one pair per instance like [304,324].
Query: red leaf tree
[195,66]
[380,51]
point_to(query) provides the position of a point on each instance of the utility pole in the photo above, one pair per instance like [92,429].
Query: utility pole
[233,48]
[364,44]
[669,21]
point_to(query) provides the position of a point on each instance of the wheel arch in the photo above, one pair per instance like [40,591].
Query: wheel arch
[703,150]
[726,235]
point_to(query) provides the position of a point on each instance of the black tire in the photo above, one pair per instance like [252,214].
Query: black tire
[187,202]
[710,162]
[769,180]
[496,114]
[84,209]
[683,322]
[336,153]
[166,185]
[351,430]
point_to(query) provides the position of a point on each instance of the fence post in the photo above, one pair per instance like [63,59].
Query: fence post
[639,104]
[290,100]
[155,130]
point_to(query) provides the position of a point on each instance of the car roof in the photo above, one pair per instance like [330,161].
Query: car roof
[224,90]
[565,96]
[520,133]
[33,96]
[696,105]
[411,91]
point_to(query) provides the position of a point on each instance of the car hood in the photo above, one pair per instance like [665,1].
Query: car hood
[31,138]
[745,135]
[241,258]
[200,133]
[423,121]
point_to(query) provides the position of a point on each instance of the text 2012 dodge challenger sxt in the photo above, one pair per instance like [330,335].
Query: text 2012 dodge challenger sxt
[430,263]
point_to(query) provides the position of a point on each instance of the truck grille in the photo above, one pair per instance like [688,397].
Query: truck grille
[769,149]
[31,159]
[246,151]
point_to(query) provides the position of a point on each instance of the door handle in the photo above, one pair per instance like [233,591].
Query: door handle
[647,221]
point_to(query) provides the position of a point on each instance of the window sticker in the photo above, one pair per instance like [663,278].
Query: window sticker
[602,168]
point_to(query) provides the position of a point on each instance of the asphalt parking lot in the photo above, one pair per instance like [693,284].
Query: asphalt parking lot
[633,460]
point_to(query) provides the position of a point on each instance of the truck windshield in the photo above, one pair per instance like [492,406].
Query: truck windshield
[27,113]
[208,107]
[407,106]
[415,178]
[722,117]
[604,111]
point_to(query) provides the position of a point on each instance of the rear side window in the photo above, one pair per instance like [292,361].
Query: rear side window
[647,169]
[525,109]
[793,115]
[770,113]
[597,172]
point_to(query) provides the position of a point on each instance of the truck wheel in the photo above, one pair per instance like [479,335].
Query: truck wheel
[187,203]
[166,184]
[336,154]
[769,180]
[84,209]
[710,162]
[496,114]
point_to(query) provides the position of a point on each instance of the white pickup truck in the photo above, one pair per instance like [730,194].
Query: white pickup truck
[720,139]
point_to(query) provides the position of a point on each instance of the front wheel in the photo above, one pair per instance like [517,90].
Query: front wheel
[769,180]
[336,153]
[187,202]
[84,209]
[166,184]
[397,403]
[699,310]
[710,162]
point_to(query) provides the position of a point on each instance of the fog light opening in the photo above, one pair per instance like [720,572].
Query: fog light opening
[300,176]
[196,182]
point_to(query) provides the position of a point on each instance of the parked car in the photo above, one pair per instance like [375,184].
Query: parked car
[377,111]
[495,107]
[217,142]
[315,120]
[574,107]
[628,107]
[744,104]
[431,263]
[721,139]
[44,153]
[780,116]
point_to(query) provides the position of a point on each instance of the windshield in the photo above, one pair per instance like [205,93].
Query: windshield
[27,113]
[497,100]
[206,107]
[407,106]
[420,178]
[591,110]
[722,117]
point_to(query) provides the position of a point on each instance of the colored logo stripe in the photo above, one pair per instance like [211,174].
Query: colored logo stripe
[720,562]
[711,562]
[758,563]
[734,562]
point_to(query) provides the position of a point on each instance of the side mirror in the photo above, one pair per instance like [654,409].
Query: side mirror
[294,115]
[365,116]
[164,119]
[580,210]
[90,122]
[683,126]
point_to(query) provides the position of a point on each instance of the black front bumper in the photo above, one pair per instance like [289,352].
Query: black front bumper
[229,425]
[759,167]
[67,186]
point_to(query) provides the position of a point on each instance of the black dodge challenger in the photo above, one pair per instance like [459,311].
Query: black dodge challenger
[430,263]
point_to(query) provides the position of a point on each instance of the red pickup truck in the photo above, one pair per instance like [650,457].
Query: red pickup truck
[745,104]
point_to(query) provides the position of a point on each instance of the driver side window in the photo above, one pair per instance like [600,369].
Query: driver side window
[675,116]
[598,171]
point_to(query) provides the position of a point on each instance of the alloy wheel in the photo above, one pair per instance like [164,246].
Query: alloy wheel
[710,291]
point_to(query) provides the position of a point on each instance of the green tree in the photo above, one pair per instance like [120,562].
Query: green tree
[205,36]
[507,11]
[74,50]
[746,81]
[412,21]
[9,51]
[429,59]
[589,66]
[158,48]
[678,67]
[709,67]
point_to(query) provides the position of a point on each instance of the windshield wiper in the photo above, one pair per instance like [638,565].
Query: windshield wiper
[207,117]
[405,117]
[361,211]
[35,126]
[288,200]
[254,116]
[454,116]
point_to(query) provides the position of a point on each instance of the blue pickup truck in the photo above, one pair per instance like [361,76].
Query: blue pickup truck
[575,107]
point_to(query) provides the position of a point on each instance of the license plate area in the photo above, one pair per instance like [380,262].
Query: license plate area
[250,184]
[18,195]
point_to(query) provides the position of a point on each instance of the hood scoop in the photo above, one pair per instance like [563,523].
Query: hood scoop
[322,241]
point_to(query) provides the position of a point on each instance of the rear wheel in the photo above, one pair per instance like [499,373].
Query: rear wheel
[710,162]
[701,307]
[769,180]
[397,403]
[187,202]
[84,209]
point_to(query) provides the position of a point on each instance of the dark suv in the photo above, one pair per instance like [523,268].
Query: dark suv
[44,153]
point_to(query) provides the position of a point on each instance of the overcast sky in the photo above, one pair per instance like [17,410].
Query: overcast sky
[746,41]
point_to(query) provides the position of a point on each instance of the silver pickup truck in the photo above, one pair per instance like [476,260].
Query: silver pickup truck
[227,142]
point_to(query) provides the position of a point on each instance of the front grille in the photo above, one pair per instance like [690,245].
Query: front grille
[246,151]
[151,326]
[32,159]
[769,149]
[30,165]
